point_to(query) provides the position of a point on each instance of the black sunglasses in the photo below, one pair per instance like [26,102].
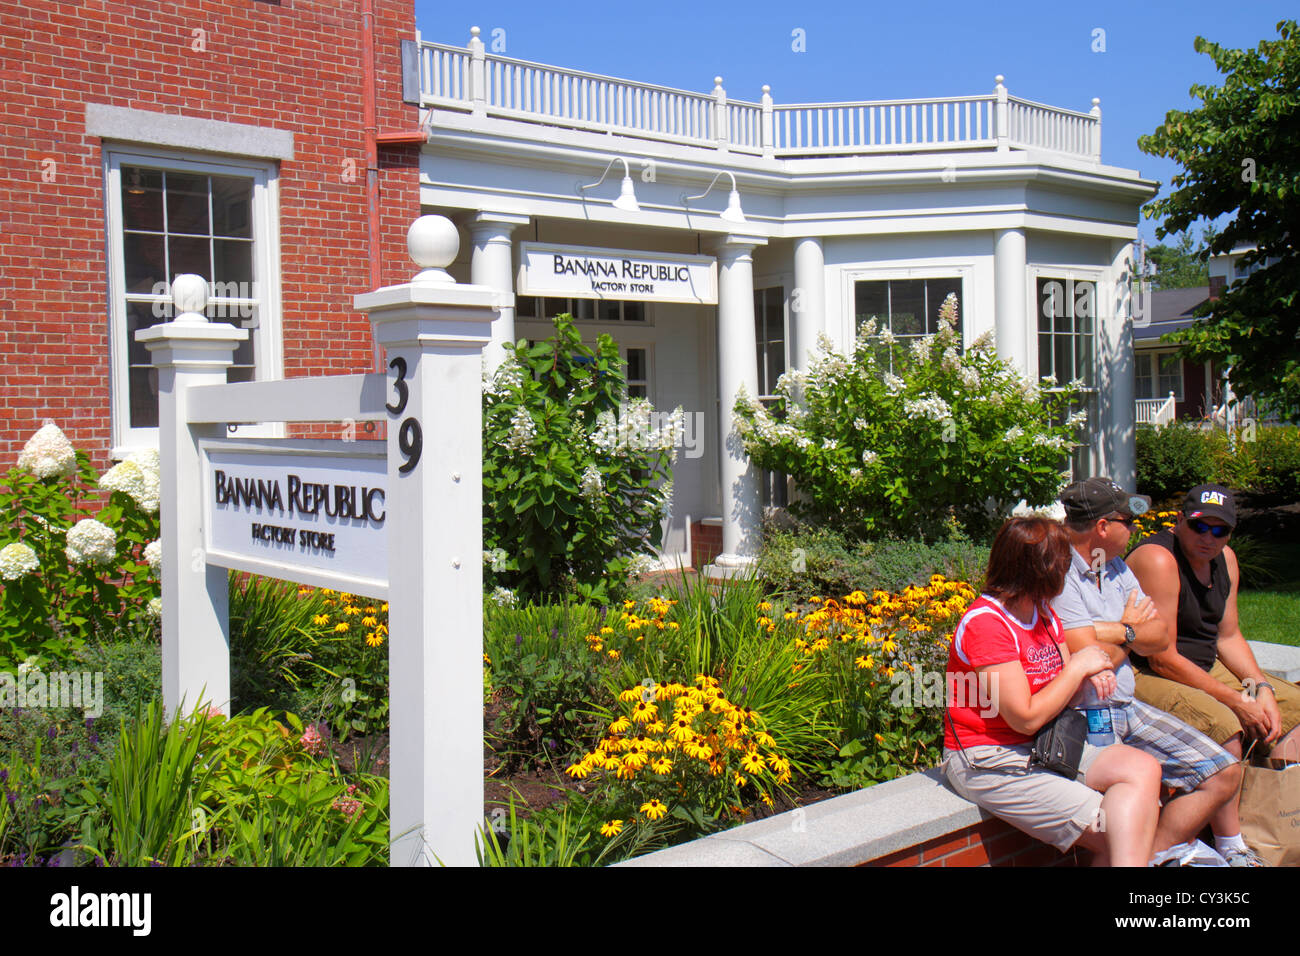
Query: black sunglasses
[1127,521]
[1200,527]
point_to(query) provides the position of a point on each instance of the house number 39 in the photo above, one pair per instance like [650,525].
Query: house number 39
[410,437]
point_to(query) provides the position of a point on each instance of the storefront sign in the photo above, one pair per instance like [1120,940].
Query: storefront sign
[583,273]
[306,511]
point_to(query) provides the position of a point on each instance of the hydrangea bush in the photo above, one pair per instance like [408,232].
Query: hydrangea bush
[576,478]
[907,440]
[72,561]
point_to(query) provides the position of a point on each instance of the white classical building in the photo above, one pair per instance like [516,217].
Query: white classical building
[715,239]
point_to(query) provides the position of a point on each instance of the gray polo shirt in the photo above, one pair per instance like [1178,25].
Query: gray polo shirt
[1084,601]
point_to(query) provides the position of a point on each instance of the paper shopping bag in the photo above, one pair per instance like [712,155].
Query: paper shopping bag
[1270,811]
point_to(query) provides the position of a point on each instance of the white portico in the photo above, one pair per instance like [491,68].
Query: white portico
[815,217]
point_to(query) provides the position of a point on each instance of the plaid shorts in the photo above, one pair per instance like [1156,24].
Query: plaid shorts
[1187,757]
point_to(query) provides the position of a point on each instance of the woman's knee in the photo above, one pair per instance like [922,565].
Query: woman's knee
[1121,763]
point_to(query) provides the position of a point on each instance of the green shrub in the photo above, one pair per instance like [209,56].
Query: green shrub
[73,561]
[1276,449]
[1171,460]
[571,469]
[942,437]
[814,562]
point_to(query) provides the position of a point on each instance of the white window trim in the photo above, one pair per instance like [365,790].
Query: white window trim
[1152,359]
[962,271]
[265,213]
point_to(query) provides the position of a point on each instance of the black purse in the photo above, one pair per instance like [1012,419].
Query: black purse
[1058,745]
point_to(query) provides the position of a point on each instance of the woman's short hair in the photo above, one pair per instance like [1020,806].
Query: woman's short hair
[1030,558]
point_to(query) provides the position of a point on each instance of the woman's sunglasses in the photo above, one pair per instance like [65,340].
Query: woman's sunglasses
[1200,527]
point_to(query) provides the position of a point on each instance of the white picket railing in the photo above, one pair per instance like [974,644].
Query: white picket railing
[468,78]
[1154,411]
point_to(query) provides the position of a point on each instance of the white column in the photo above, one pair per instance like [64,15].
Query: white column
[433,331]
[1012,320]
[808,302]
[1118,389]
[737,366]
[492,265]
[189,351]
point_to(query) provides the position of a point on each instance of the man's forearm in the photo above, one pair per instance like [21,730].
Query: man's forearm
[1239,658]
[1150,636]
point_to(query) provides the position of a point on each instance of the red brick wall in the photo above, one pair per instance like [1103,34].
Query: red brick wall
[991,843]
[293,65]
[706,544]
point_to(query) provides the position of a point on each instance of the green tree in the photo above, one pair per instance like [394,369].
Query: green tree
[1179,266]
[1240,153]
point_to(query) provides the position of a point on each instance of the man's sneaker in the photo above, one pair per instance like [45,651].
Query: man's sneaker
[1244,857]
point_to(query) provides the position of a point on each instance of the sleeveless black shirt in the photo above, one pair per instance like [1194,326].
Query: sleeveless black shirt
[1200,608]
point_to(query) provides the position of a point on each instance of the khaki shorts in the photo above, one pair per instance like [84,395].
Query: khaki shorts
[1043,804]
[1211,717]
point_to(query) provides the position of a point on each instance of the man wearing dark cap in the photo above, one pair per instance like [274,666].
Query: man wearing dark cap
[1208,676]
[1102,603]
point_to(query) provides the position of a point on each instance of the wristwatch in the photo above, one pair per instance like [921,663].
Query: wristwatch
[1130,635]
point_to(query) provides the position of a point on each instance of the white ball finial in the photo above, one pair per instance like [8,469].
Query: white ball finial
[474,31]
[766,88]
[1096,101]
[190,297]
[717,81]
[433,243]
[999,79]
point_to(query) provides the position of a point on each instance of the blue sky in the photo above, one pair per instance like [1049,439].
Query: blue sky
[883,51]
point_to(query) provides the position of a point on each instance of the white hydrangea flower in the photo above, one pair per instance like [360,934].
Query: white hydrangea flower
[887,337]
[126,477]
[1077,418]
[48,453]
[153,555]
[893,384]
[950,360]
[17,559]
[855,472]
[592,483]
[1048,381]
[830,444]
[496,557]
[32,664]
[968,377]
[522,430]
[665,499]
[870,457]
[504,597]
[92,543]
[1013,433]
[641,564]
[984,342]
[154,608]
[1054,442]
[921,348]
[929,406]
[860,424]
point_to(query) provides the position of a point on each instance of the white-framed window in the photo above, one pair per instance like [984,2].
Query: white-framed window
[1158,372]
[582,310]
[770,340]
[173,212]
[906,306]
[1067,350]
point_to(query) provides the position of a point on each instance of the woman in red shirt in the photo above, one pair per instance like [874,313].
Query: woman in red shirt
[1009,673]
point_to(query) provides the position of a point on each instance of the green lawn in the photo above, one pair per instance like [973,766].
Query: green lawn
[1271,614]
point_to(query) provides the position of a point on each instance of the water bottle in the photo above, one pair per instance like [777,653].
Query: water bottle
[1100,731]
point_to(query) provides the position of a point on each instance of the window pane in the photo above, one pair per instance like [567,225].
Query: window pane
[907,306]
[633,311]
[1063,359]
[636,365]
[234,263]
[607,311]
[1045,366]
[637,391]
[871,298]
[143,387]
[232,200]
[1085,306]
[583,309]
[186,255]
[187,203]
[144,260]
[553,307]
[240,373]
[526,306]
[775,368]
[142,198]
[140,315]
[1085,367]
[1142,380]
[937,290]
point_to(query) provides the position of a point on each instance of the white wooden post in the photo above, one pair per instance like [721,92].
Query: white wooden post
[720,131]
[434,332]
[768,126]
[1001,130]
[477,74]
[189,351]
[1096,129]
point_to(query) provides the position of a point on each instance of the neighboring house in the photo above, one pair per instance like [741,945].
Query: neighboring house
[717,238]
[1198,389]
[227,139]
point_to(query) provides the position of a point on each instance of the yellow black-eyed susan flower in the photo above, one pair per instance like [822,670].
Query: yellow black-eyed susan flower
[654,809]
[611,829]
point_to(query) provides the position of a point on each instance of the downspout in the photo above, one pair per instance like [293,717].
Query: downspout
[371,126]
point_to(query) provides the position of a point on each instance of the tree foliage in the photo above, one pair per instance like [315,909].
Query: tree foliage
[1181,265]
[1240,153]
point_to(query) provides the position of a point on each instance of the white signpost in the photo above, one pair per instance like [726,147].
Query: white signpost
[401,520]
